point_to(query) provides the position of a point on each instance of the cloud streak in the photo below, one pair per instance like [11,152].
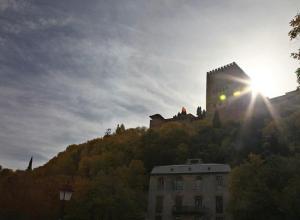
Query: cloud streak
[70,70]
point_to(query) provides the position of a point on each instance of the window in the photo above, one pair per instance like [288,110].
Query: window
[159,204]
[178,202]
[198,183]
[198,202]
[219,204]
[160,183]
[219,180]
[178,183]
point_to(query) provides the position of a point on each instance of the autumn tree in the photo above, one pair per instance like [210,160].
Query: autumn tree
[110,174]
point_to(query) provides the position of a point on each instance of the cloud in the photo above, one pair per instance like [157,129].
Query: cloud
[14,5]
[71,70]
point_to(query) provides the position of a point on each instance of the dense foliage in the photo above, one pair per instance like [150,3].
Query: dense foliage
[266,188]
[110,174]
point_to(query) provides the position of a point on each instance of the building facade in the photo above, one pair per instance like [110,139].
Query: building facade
[190,191]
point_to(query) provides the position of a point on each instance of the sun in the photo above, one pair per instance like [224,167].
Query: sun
[261,86]
[255,88]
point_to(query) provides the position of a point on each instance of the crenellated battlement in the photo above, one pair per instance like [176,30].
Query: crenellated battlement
[223,68]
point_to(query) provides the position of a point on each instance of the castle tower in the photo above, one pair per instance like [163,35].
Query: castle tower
[225,92]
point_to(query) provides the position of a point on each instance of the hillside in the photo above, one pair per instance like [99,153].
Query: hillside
[110,174]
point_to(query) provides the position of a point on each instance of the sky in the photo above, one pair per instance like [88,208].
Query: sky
[70,69]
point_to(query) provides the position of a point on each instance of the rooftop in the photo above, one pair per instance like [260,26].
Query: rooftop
[156,116]
[191,169]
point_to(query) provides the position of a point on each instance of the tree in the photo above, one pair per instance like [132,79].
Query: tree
[120,129]
[265,188]
[294,33]
[203,113]
[291,198]
[107,132]
[29,168]
[199,112]
[109,175]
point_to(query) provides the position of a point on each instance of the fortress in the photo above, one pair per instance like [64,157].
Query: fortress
[228,94]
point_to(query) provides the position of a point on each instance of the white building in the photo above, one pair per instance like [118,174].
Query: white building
[190,191]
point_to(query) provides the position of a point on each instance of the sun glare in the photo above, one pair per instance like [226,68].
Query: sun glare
[237,93]
[260,87]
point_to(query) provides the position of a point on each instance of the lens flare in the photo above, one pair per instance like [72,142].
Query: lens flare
[222,97]
[237,93]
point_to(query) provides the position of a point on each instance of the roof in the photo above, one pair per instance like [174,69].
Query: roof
[156,116]
[191,169]
[191,115]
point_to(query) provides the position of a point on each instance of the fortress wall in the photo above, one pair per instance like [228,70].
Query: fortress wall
[286,104]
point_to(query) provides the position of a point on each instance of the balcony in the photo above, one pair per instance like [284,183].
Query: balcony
[189,210]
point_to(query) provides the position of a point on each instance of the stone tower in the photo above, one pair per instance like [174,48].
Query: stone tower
[227,92]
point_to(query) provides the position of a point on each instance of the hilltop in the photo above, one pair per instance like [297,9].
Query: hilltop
[110,174]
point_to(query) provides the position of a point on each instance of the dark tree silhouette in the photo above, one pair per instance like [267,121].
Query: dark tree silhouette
[29,168]
[203,113]
[199,112]
[120,129]
[294,33]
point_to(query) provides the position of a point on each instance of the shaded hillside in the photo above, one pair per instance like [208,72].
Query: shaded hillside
[110,174]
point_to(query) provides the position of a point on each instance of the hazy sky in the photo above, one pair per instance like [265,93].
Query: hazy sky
[69,69]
